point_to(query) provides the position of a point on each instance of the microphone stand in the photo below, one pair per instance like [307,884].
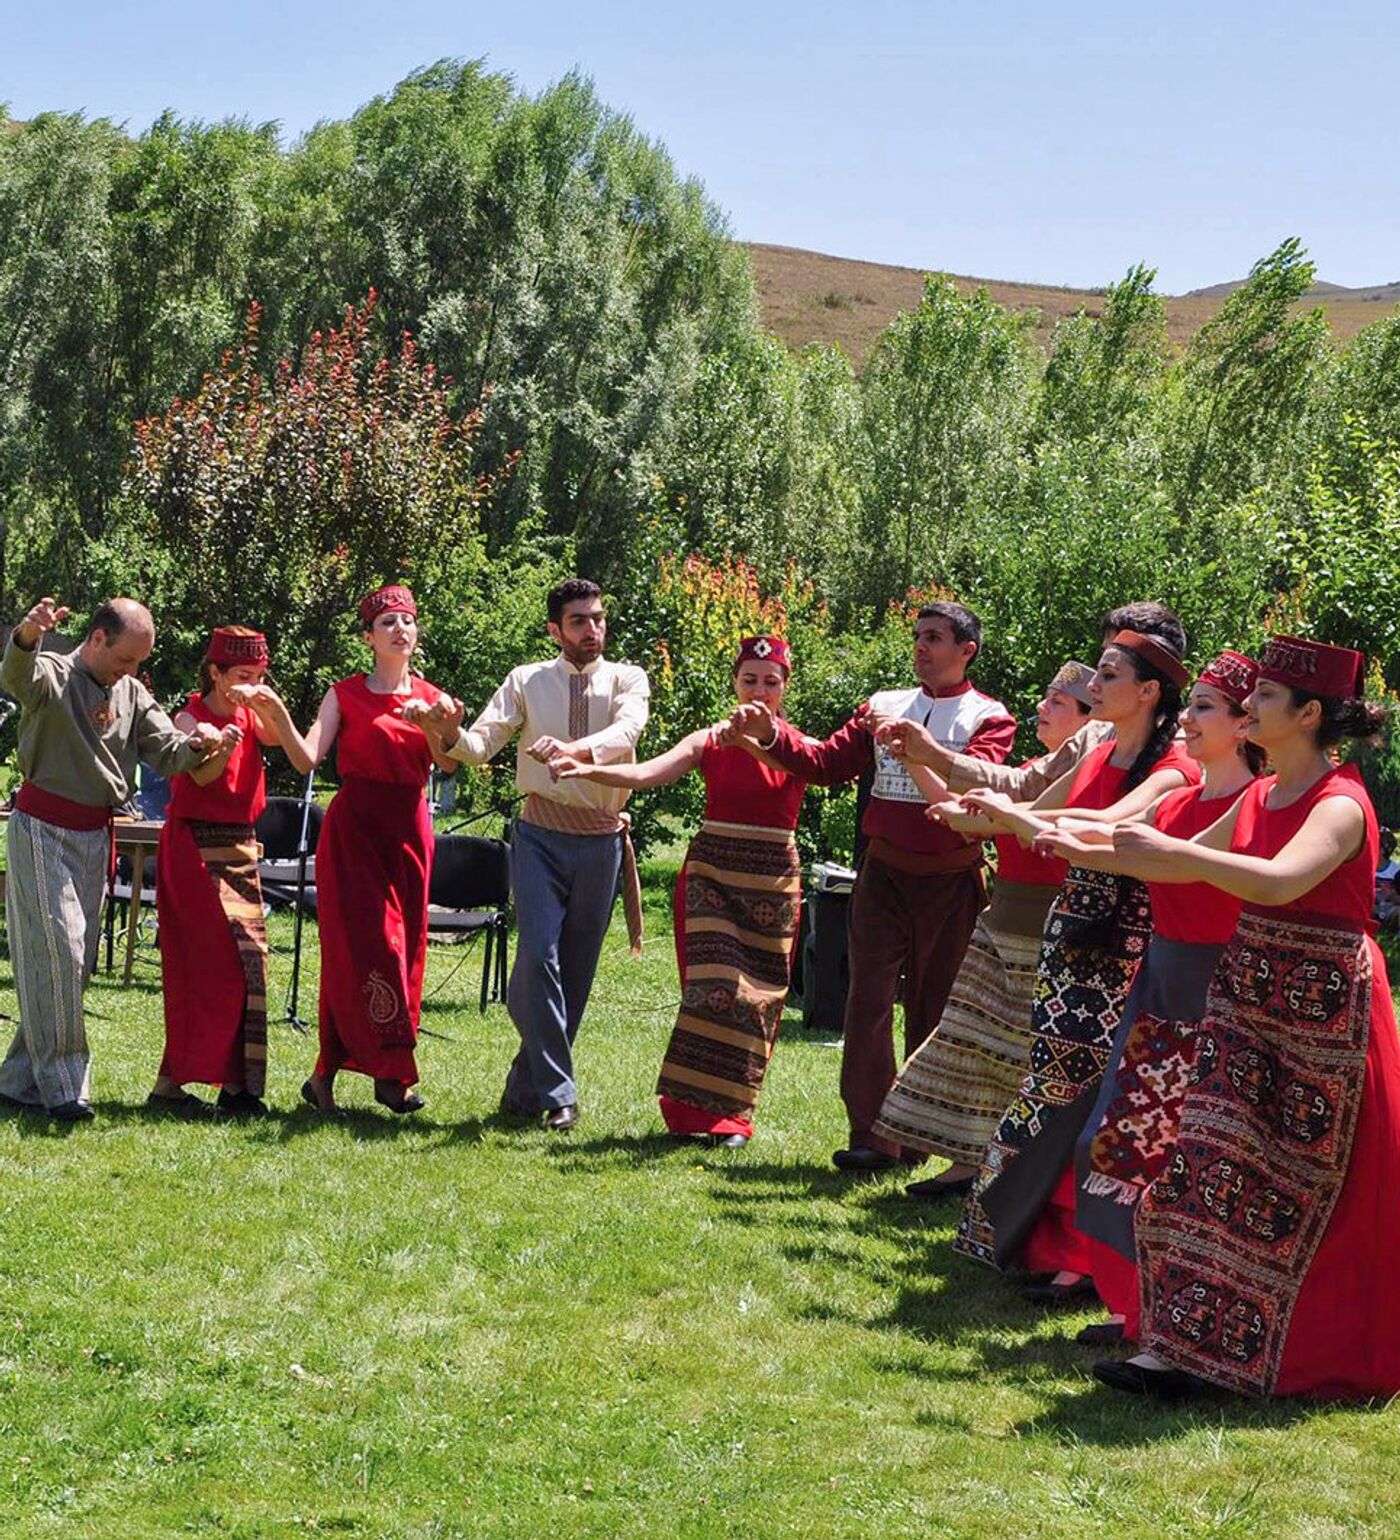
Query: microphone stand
[303,852]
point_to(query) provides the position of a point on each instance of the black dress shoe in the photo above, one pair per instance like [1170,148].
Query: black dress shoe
[1165,1384]
[241,1104]
[1061,1293]
[729,1141]
[1100,1334]
[861,1157]
[560,1119]
[72,1112]
[189,1109]
[935,1189]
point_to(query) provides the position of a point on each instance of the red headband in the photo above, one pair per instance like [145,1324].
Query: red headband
[228,647]
[765,649]
[393,596]
[1232,674]
[1154,655]
[1314,667]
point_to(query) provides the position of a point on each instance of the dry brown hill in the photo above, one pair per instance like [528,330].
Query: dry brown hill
[806,296]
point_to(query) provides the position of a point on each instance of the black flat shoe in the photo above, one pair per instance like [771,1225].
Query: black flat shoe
[729,1141]
[189,1109]
[241,1104]
[1100,1334]
[72,1112]
[935,1190]
[862,1158]
[561,1119]
[309,1096]
[1060,1293]
[1165,1384]
[404,1103]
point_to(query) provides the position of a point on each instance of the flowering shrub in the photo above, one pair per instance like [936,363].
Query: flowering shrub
[279,501]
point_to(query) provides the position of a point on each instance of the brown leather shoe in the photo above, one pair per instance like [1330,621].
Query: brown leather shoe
[561,1119]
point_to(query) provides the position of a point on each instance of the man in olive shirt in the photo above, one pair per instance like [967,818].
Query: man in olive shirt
[87,721]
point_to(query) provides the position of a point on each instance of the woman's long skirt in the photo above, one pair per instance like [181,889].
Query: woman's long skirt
[373,862]
[955,1086]
[738,900]
[213,948]
[1269,1247]
[1095,936]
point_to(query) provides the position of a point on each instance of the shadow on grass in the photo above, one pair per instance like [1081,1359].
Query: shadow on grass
[613,1152]
[937,1299]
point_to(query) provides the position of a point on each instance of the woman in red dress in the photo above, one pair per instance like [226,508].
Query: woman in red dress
[208,899]
[737,903]
[1132,1129]
[372,863]
[1269,1245]
[1020,1210]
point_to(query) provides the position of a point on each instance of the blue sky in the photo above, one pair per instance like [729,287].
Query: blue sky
[1050,142]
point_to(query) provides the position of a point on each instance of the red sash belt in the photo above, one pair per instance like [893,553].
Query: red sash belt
[49,807]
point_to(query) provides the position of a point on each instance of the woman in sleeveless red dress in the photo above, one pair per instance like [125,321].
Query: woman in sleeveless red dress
[1132,1128]
[373,861]
[1020,1210]
[736,907]
[208,899]
[1269,1244]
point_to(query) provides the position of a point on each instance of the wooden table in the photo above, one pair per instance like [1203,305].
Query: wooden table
[136,838]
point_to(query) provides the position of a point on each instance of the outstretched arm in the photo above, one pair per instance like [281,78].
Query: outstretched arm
[1331,834]
[274,723]
[680,759]
[321,734]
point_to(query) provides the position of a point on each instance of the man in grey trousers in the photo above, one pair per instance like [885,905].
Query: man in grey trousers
[571,841]
[87,720]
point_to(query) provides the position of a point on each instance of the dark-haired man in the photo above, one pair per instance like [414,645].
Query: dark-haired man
[570,840]
[1026,782]
[919,886]
[86,722]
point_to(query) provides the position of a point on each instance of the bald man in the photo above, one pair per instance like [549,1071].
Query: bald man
[87,721]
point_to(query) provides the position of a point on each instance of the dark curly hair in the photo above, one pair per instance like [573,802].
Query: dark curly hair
[1349,717]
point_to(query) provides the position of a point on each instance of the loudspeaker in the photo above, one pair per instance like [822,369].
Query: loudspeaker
[826,973]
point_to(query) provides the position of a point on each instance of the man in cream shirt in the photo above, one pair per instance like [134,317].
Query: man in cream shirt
[570,840]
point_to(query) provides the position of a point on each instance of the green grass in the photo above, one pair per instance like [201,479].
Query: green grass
[450,1327]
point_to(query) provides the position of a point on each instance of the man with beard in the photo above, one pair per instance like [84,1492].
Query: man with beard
[570,841]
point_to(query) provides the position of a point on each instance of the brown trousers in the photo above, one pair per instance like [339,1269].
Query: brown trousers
[899,923]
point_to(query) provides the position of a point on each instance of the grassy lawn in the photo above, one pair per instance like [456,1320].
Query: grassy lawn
[451,1327]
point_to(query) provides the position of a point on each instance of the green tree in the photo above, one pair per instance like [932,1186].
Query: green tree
[945,402]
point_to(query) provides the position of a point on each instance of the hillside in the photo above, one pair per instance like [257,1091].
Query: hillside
[809,297]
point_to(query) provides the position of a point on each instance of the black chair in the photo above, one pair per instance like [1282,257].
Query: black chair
[470,891]
[279,833]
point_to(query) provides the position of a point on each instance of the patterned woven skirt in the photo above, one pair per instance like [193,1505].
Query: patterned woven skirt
[1132,1129]
[1087,962]
[742,895]
[213,947]
[1269,1246]
[955,1086]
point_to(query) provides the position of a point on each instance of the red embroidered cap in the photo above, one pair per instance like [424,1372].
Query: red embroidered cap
[393,596]
[231,645]
[1232,674]
[1316,668]
[765,649]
